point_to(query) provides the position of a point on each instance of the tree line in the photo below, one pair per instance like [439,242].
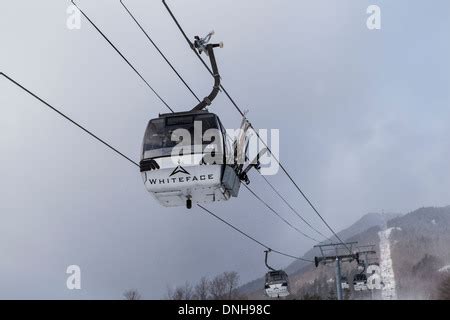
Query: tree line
[221,287]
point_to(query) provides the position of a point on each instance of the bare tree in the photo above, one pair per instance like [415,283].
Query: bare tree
[132,294]
[218,288]
[224,286]
[221,287]
[231,282]
[201,290]
[444,289]
[184,292]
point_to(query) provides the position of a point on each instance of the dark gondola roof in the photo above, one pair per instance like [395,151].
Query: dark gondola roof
[184,113]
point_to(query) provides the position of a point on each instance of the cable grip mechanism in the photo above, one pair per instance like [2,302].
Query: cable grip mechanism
[201,43]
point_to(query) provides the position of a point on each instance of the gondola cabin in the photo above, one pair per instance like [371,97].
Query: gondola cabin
[360,282]
[187,158]
[276,284]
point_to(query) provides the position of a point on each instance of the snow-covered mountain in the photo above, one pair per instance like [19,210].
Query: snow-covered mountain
[414,250]
[420,249]
[368,221]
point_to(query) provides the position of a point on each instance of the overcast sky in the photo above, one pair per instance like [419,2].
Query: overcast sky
[363,118]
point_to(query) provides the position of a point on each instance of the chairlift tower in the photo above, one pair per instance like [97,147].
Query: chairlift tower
[336,253]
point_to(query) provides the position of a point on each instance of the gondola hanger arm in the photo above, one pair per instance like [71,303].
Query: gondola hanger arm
[267,265]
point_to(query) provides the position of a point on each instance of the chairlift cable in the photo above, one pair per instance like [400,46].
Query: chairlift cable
[159,50]
[291,207]
[70,119]
[251,238]
[240,111]
[127,61]
[223,89]
[165,103]
[278,215]
[91,134]
[122,56]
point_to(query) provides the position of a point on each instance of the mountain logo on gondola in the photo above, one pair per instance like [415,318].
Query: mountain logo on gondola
[179,169]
